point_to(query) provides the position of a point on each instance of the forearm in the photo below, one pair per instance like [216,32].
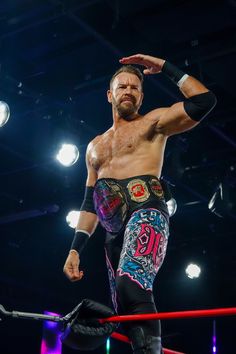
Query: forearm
[86,225]
[87,221]
[192,87]
[200,101]
[188,85]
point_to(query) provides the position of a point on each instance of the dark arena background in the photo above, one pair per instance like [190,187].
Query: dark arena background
[55,64]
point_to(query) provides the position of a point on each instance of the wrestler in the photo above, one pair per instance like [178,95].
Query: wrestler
[124,193]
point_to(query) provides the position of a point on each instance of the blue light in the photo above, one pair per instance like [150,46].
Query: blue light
[108,346]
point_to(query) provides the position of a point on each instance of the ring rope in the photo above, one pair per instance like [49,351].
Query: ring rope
[125,339]
[230,311]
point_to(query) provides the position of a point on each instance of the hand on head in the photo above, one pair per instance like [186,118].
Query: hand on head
[153,65]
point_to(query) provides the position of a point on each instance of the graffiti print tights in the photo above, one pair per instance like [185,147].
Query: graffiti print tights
[133,262]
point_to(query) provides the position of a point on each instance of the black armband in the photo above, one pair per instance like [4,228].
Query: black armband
[176,75]
[198,106]
[80,239]
[87,204]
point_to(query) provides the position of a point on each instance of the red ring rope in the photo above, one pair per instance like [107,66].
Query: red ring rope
[125,339]
[230,311]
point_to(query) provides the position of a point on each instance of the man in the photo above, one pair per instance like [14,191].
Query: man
[124,193]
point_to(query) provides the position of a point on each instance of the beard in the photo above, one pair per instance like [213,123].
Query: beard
[126,110]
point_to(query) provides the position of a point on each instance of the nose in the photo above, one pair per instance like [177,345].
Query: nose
[128,90]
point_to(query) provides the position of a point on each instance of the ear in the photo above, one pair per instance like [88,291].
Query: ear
[109,96]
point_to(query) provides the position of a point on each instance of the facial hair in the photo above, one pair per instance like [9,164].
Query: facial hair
[126,111]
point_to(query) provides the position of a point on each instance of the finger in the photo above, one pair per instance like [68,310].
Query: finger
[77,277]
[130,61]
[76,272]
[147,71]
[71,271]
[134,56]
[133,59]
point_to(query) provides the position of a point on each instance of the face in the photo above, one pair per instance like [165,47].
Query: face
[126,95]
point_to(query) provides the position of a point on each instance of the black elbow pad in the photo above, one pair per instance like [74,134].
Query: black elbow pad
[198,106]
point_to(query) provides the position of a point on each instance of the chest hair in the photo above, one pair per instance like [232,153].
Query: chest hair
[125,140]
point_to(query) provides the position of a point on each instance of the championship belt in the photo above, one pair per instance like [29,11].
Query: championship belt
[83,330]
[110,204]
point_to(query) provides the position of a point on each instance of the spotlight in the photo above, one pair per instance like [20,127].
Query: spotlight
[220,203]
[4,113]
[170,201]
[193,271]
[171,206]
[68,155]
[72,218]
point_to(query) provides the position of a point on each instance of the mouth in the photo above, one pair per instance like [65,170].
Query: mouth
[127,100]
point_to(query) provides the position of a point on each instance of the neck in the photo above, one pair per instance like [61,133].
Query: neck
[118,120]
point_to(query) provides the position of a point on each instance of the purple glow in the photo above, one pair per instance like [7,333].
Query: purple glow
[43,347]
[214,338]
[47,350]
[51,343]
[50,324]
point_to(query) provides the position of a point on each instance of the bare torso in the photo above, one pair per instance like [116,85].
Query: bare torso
[133,148]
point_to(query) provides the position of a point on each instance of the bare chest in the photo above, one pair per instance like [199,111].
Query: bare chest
[125,140]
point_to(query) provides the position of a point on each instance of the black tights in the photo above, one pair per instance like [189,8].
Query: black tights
[134,300]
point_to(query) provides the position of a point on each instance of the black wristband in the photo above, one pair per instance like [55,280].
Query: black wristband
[79,241]
[172,72]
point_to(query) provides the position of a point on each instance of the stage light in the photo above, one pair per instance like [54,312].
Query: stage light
[171,206]
[223,200]
[216,203]
[51,343]
[4,113]
[108,346]
[72,218]
[68,155]
[193,271]
[170,201]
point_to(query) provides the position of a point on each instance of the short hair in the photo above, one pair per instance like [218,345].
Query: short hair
[128,69]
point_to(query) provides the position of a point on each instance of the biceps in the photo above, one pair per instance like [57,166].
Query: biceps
[91,177]
[175,120]
[91,172]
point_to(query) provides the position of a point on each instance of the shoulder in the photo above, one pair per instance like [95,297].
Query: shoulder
[95,141]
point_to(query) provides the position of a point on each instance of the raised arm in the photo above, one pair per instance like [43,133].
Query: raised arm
[86,225]
[180,116]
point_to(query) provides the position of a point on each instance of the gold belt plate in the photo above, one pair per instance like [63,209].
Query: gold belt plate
[138,190]
[156,188]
